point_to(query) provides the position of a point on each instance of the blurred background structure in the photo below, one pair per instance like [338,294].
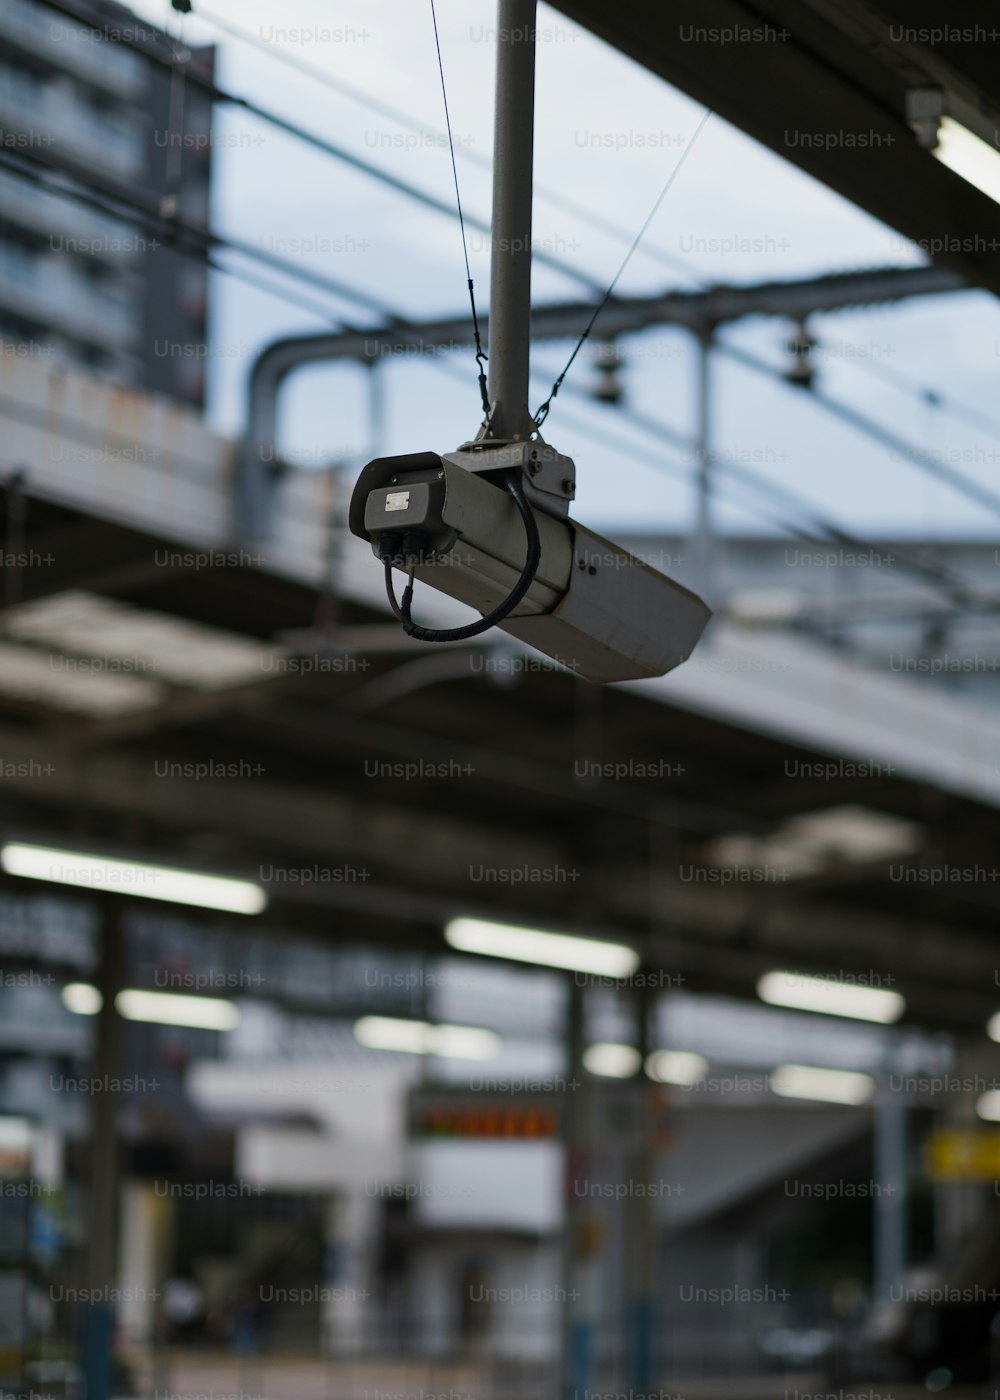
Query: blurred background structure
[297,1093]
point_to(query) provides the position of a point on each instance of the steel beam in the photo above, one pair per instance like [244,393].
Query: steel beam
[693,311]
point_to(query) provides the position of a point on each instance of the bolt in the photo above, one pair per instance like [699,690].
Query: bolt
[567,484]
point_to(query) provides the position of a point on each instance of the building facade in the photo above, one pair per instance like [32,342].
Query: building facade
[82,107]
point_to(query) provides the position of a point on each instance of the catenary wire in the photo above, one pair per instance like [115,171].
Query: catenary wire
[311,138]
[543,411]
[961,412]
[410,123]
[326,314]
[649,425]
[480,357]
[121,36]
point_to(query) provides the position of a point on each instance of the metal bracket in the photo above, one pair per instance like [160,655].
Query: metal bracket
[548,477]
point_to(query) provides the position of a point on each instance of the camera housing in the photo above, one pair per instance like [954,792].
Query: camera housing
[592,606]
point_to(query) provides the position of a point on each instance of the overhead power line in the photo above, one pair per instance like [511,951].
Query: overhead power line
[961,412]
[128,39]
[182,234]
[899,446]
[201,253]
[143,207]
[819,525]
[931,398]
[410,123]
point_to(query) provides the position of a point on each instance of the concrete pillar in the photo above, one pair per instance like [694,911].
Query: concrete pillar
[97,1312]
[583,1226]
[141,1264]
[348,1313]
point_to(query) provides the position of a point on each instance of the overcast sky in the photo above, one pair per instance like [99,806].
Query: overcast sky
[608,134]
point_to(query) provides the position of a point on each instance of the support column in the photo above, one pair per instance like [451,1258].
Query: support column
[963,1207]
[347,1315]
[510,265]
[583,1227]
[890,1243]
[97,1313]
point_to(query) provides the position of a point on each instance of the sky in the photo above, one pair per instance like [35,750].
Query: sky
[608,135]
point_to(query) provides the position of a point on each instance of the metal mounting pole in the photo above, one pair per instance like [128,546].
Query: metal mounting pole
[890,1200]
[510,266]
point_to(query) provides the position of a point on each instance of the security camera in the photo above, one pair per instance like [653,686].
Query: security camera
[489,525]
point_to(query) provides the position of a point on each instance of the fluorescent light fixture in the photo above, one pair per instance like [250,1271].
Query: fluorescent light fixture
[161,1008]
[422,1038]
[988,1106]
[128,877]
[612,1061]
[815,841]
[822,1085]
[81,998]
[830,997]
[676,1067]
[854,834]
[168,1009]
[993,1027]
[118,638]
[969,156]
[536,946]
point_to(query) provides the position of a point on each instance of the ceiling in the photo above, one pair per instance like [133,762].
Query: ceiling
[529,796]
[834,73]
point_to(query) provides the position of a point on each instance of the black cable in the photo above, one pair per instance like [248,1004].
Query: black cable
[480,357]
[74,11]
[951,584]
[120,35]
[475,629]
[543,411]
[182,235]
[411,123]
[961,412]
[932,398]
[885,437]
[154,222]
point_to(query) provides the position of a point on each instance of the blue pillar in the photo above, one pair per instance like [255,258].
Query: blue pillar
[96,1339]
